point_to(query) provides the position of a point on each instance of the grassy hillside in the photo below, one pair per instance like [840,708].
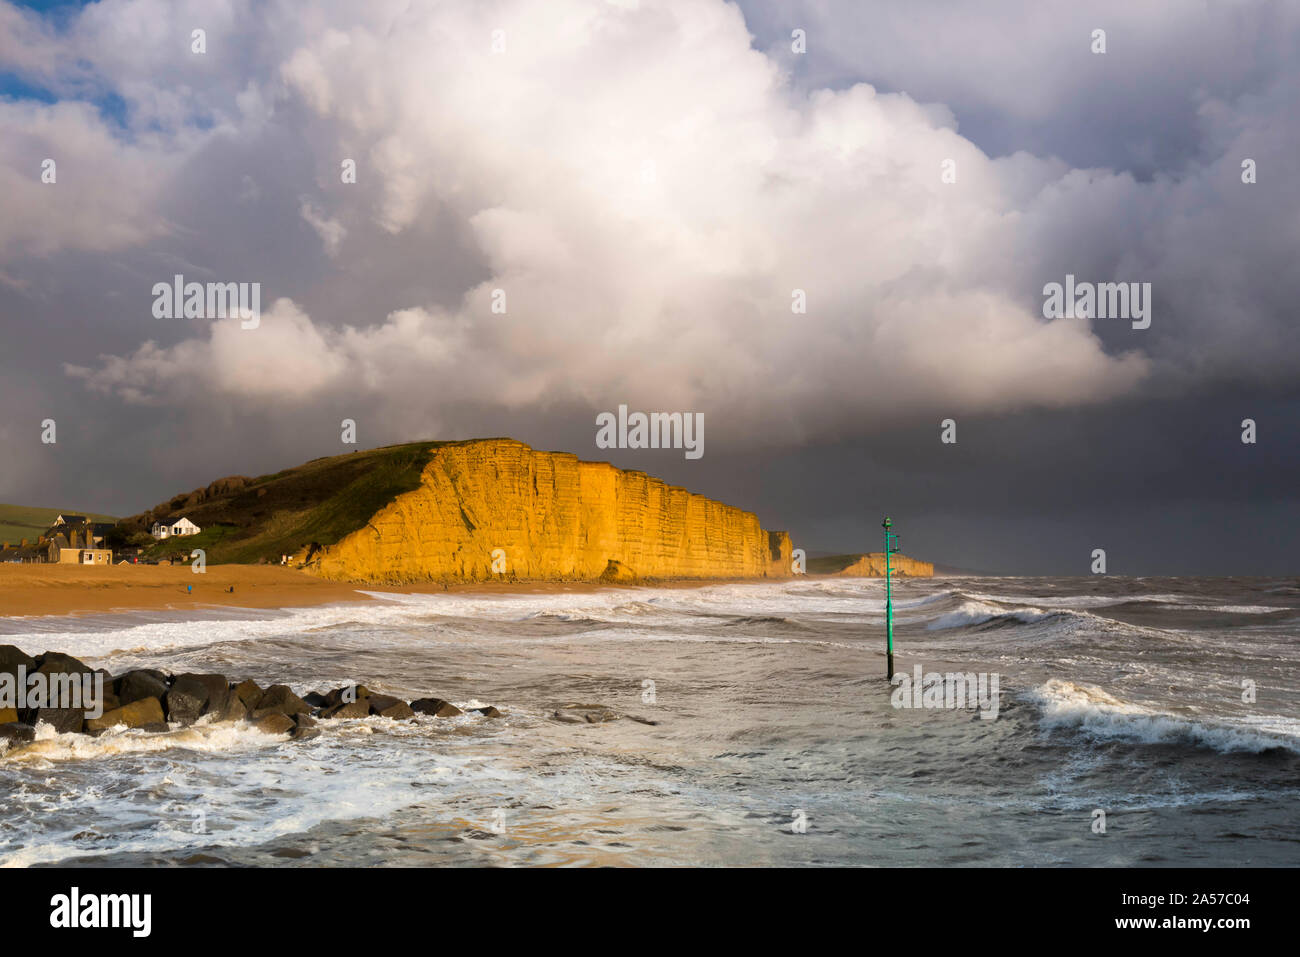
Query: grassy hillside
[21,521]
[248,520]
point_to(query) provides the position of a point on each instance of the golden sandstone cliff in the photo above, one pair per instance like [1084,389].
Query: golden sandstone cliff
[547,515]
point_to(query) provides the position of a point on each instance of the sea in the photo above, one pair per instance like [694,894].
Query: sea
[1136,722]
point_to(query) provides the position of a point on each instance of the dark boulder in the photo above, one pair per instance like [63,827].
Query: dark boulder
[235,709]
[8,715]
[218,691]
[436,707]
[142,683]
[57,663]
[248,693]
[387,706]
[346,694]
[165,677]
[315,699]
[274,722]
[304,728]
[62,720]
[15,732]
[488,712]
[348,709]
[64,678]
[65,691]
[11,657]
[186,699]
[280,699]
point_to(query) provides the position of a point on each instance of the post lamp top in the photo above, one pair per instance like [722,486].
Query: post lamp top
[886,523]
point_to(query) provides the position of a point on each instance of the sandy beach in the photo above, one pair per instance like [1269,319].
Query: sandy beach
[71,589]
[31,590]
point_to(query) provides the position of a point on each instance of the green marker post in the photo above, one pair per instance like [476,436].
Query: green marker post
[891,546]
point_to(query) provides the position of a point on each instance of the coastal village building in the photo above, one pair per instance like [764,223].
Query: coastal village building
[22,553]
[183,526]
[75,546]
[86,556]
[71,540]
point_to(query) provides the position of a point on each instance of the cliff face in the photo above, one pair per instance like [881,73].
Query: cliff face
[781,550]
[873,565]
[547,515]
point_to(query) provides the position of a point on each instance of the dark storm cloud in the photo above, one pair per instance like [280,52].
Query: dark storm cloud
[649,209]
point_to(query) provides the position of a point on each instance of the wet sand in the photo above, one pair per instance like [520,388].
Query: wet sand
[28,590]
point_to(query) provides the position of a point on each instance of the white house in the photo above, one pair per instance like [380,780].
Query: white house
[182,527]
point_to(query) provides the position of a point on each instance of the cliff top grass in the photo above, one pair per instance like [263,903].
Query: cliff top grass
[249,520]
[22,521]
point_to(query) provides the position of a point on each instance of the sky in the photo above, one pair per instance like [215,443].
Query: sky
[826,227]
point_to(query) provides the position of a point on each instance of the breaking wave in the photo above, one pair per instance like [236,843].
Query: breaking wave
[1100,715]
[978,613]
